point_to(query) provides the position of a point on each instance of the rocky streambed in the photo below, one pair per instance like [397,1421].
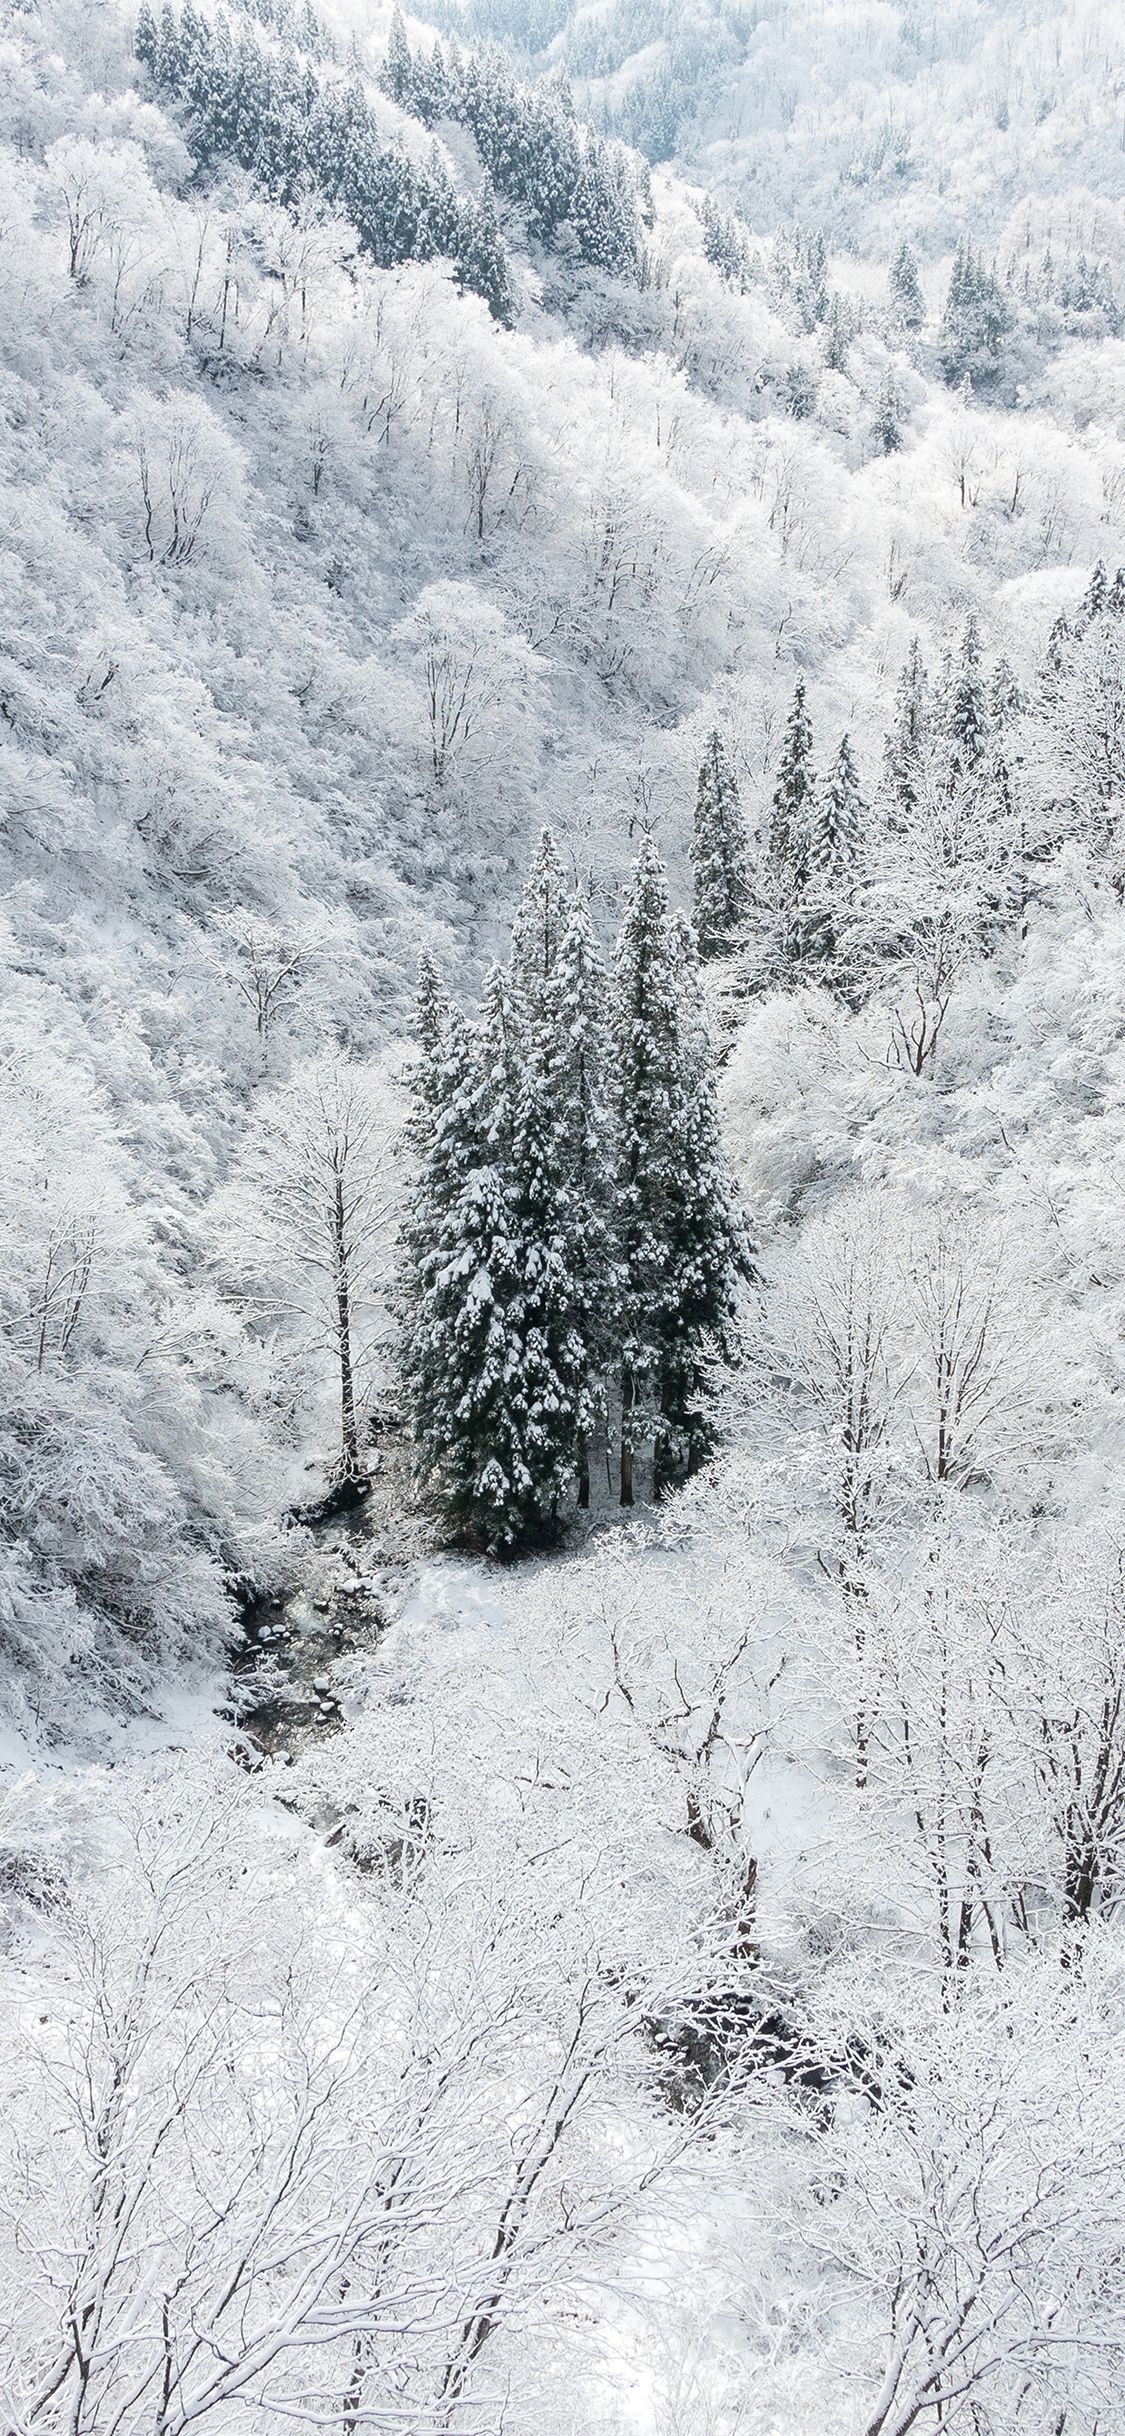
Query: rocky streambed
[288,1673]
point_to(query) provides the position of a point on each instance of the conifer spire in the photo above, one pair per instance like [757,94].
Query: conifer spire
[719,854]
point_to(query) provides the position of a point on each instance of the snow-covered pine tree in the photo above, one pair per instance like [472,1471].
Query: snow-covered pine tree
[433,1014]
[443,1138]
[603,224]
[977,319]
[836,841]
[724,242]
[492,1357]
[967,723]
[558,989]
[839,331]
[887,429]
[675,1244]
[440,217]
[145,38]
[706,1243]
[645,1040]
[397,73]
[578,1078]
[166,66]
[810,287]
[906,289]
[428,95]
[907,739]
[541,918]
[719,854]
[790,818]
[1005,696]
[481,262]
[1095,599]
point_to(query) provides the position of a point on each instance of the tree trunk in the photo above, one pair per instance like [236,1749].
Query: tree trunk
[349,1430]
[627,1401]
[583,1472]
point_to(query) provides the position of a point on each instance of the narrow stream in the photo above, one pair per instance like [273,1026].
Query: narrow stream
[283,1691]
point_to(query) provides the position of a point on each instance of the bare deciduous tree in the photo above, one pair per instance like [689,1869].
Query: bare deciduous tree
[311,1225]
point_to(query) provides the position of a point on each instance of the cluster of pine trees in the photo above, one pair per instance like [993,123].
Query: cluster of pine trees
[977,318]
[572,1246]
[296,131]
[837,885]
[561,176]
[278,109]
[793,896]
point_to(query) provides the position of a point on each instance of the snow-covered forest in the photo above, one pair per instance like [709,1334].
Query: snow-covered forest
[562,1525]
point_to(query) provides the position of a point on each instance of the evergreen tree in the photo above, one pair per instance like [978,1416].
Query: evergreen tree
[906,289]
[977,319]
[1005,700]
[835,855]
[888,420]
[719,854]
[576,1025]
[1095,599]
[605,235]
[707,1248]
[811,281]
[675,1246]
[792,806]
[166,65]
[725,244]
[906,743]
[541,918]
[1057,656]
[439,218]
[481,262]
[429,87]
[489,1355]
[645,1045]
[839,331]
[397,73]
[146,39]
[967,722]
[558,995]
[555,161]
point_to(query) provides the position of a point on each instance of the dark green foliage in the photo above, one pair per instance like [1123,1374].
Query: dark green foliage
[480,258]
[398,68]
[558,991]
[888,419]
[791,812]
[809,280]
[906,742]
[293,130]
[719,854]
[145,40]
[532,148]
[839,331]
[726,244]
[490,1353]
[679,1245]
[571,1219]
[967,721]
[836,838]
[978,318]
[707,1247]
[906,289]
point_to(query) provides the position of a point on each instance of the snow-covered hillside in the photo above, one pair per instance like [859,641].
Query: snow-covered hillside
[673,1983]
